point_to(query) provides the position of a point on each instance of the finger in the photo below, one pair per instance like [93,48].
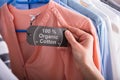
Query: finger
[71,39]
[77,31]
[82,35]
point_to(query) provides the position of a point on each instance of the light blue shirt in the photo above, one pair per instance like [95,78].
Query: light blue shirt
[106,57]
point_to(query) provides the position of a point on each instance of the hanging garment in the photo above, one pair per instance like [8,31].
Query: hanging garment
[4,53]
[114,38]
[105,50]
[113,33]
[5,72]
[97,21]
[102,35]
[41,62]
[101,31]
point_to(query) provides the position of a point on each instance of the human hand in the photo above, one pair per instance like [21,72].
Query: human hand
[82,45]
[82,48]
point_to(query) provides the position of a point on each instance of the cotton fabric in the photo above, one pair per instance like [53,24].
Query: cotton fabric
[41,62]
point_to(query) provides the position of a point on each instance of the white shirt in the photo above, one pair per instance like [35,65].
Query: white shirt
[5,72]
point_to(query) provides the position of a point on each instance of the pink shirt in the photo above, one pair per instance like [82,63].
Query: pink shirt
[43,62]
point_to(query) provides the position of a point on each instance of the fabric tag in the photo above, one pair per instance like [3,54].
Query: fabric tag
[46,36]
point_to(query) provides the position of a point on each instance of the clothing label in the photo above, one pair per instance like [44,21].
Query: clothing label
[46,36]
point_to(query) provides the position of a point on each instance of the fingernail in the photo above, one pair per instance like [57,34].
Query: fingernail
[67,32]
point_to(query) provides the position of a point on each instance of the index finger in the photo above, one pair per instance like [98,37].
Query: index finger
[77,31]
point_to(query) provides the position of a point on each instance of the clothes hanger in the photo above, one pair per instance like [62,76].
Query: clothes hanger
[27,2]
[32,1]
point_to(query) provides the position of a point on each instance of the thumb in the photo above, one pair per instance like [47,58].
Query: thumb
[69,36]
